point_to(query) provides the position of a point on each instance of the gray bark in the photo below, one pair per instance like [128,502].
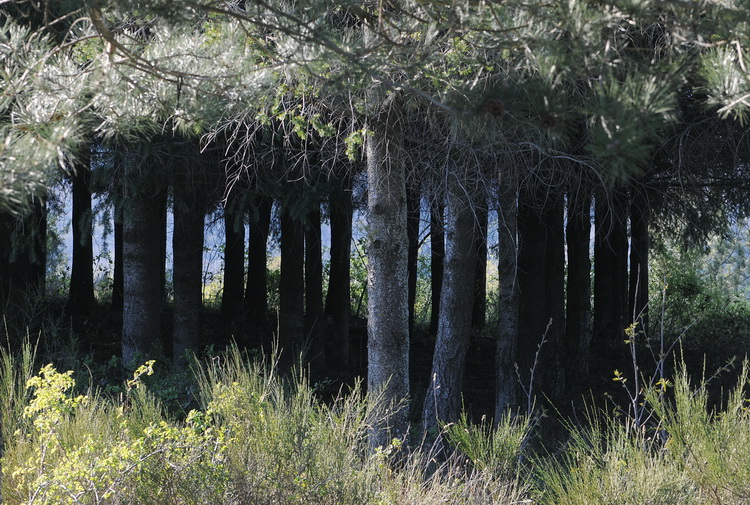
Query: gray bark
[387,281]
[443,399]
[142,264]
[507,339]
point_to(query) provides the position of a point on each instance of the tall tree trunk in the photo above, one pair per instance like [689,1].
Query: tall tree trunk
[443,398]
[388,287]
[23,258]
[610,271]
[187,246]
[338,301]
[142,263]
[578,322]
[413,208]
[314,292]
[256,292]
[541,287]
[479,312]
[555,366]
[437,255]
[507,339]
[233,295]
[533,311]
[118,281]
[291,288]
[81,294]
[639,250]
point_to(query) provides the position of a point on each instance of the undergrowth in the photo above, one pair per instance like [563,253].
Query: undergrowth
[257,437]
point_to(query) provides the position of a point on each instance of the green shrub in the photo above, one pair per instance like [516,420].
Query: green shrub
[256,439]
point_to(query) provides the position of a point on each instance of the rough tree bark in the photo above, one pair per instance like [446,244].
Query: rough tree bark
[387,281]
[443,397]
[142,262]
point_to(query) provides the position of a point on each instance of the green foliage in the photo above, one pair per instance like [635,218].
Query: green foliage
[256,439]
[493,449]
[695,302]
[687,454]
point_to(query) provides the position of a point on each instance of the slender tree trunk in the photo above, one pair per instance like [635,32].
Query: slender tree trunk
[555,365]
[541,267]
[314,291]
[443,398]
[533,311]
[610,272]
[437,255]
[479,312]
[291,288]
[118,281]
[24,258]
[233,296]
[142,264]
[639,250]
[81,294]
[413,204]
[187,247]
[338,301]
[256,292]
[388,287]
[507,341]
[578,322]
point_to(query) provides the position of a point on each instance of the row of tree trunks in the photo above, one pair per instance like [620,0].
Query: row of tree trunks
[541,269]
